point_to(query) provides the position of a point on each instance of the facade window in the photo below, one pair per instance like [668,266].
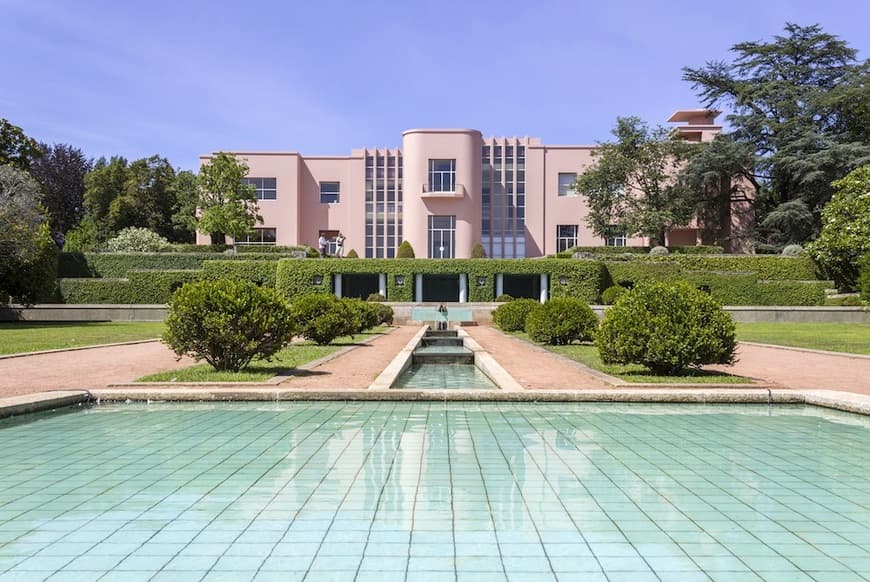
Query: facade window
[265,188]
[442,175]
[615,237]
[442,237]
[566,183]
[330,192]
[260,236]
[566,237]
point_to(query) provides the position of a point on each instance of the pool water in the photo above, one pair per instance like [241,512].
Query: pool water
[444,377]
[435,491]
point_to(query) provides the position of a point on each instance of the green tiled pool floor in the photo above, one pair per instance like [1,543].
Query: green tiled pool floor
[435,491]
[444,377]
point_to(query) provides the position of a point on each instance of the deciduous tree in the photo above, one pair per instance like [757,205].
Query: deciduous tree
[16,149]
[228,206]
[61,172]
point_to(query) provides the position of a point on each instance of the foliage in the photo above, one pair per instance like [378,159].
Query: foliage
[28,255]
[185,197]
[228,206]
[105,182]
[511,316]
[119,264]
[792,250]
[352,254]
[140,287]
[612,293]
[61,171]
[561,321]
[607,252]
[365,315]
[477,251]
[81,239]
[16,149]
[504,298]
[801,106]
[792,222]
[722,173]
[659,251]
[227,323]
[845,235]
[385,314]
[405,251]
[864,278]
[666,327]
[136,240]
[632,185]
[322,318]
[375,297]
[260,272]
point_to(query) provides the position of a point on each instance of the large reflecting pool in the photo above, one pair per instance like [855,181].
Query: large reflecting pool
[435,491]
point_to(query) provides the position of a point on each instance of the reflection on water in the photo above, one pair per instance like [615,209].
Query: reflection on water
[436,487]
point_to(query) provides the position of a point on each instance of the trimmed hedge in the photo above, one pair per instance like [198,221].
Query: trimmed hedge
[581,279]
[261,272]
[693,250]
[864,277]
[141,287]
[806,293]
[776,267]
[117,265]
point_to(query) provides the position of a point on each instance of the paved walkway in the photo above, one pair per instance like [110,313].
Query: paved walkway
[533,367]
[358,367]
[85,369]
[802,369]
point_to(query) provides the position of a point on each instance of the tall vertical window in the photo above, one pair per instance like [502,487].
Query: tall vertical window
[330,192]
[566,237]
[566,183]
[442,237]
[442,175]
[265,188]
[615,237]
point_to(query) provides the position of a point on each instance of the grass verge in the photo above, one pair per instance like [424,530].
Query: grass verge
[290,357]
[21,337]
[587,354]
[852,338]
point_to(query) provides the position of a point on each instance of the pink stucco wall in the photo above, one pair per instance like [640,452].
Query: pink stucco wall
[298,215]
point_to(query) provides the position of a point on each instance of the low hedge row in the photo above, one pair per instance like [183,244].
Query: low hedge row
[258,249]
[262,272]
[581,279]
[117,265]
[604,251]
[864,277]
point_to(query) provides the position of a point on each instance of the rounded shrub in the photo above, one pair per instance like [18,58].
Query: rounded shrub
[385,314]
[503,298]
[511,316]
[375,297]
[792,250]
[477,251]
[405,251]
[137,240]
[227,323]
[364,314]
[612,293]
[666,327]
[352,254]
[322,318]
[561,321]
[659,251]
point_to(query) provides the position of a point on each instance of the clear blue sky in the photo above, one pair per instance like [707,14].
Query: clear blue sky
[182,78]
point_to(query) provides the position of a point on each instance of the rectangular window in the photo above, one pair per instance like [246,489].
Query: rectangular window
[615,237]
[442,237]
[566,183]
[566,237]
[442,176]
[260,236]
[265,188]
[330,192]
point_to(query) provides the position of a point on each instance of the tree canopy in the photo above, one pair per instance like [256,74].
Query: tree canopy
[633,186]
[801,103]
[16,149]
[61,172]
[228,206]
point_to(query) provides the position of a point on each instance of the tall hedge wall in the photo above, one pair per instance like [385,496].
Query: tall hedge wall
[140,287]
[583,279]
[261,272]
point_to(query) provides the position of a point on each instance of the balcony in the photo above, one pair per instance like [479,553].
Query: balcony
[457,192]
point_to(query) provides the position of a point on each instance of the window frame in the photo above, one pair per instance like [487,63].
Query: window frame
[569,240]
[337,192]
[261,230]
[440,177]
[261,190]
[567,191]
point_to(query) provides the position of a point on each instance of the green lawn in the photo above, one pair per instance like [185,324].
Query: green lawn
[587,354]
[853,338]
[290,357]
[20,337]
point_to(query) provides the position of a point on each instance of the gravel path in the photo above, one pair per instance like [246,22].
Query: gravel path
[84,368]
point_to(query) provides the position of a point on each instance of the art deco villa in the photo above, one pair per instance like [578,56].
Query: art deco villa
[443,191]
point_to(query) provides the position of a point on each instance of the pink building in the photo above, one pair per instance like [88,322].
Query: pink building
[443,191]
